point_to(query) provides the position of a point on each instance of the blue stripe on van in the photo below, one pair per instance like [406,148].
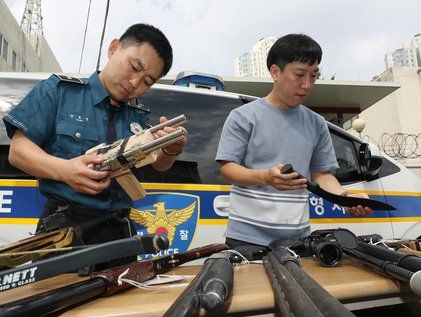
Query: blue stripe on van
[27,202]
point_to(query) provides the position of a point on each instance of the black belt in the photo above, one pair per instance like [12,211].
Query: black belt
[60,213]
[76,210]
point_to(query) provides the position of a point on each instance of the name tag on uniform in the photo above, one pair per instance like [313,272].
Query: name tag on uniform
[77,117]
[136,128]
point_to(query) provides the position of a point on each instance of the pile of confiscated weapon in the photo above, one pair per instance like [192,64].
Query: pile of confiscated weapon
[297,294]
[102,283]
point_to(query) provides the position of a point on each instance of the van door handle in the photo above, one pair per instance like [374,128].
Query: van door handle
[221,205]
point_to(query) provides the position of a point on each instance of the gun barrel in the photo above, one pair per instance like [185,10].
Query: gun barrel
[161,142]
[175,122]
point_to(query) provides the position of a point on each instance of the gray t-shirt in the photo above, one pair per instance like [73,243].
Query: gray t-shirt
[260,136]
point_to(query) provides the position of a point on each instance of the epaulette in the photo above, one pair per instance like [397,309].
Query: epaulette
[69,79]
[135,103]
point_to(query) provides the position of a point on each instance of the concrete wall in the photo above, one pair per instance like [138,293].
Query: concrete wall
[22,46]
[400,112]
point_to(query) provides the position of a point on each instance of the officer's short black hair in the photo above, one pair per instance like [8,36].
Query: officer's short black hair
[294,48]
[145,33]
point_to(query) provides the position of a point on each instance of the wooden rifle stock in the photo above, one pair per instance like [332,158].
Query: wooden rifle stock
[144,270]
[103,283]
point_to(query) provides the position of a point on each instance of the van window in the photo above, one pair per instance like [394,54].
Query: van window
[388,168]
[8,171]
[206,114]
[346,156]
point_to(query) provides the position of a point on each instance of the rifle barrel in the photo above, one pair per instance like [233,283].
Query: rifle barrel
[175,122]
[327,304]
[299,302]
[161,142]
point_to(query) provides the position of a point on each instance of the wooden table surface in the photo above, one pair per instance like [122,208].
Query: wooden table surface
[252,291]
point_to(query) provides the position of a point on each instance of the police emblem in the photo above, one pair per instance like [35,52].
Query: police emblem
[172,214]
[135,127]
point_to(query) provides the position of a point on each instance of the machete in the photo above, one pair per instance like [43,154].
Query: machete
[344,201]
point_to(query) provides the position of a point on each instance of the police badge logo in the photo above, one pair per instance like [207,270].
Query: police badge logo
[136,128]
[172,214]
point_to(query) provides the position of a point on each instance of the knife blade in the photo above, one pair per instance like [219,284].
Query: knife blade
[345,201]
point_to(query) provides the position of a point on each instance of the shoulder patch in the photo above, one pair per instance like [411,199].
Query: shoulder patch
[69,79]
[136,104]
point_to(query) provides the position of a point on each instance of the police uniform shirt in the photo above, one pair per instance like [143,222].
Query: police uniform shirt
[66,117]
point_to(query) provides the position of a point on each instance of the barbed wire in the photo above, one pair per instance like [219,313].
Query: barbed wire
[399,145]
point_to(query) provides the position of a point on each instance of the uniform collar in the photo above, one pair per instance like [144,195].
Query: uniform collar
[98,91]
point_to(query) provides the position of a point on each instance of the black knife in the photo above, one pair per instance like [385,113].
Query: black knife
[344,201]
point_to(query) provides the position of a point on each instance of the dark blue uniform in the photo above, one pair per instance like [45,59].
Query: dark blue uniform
[66,117]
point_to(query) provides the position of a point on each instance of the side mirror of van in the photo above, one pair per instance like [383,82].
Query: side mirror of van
[370,164]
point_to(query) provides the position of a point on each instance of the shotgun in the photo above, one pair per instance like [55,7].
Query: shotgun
[209,289]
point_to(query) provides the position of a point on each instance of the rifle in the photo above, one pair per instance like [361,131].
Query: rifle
[209,289]
[42,269]
[404,267]
[134,152]
[103,283]
[346,201]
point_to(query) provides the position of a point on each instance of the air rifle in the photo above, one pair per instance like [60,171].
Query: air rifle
[72,261]
[103,283]
[404,267]
[134,152]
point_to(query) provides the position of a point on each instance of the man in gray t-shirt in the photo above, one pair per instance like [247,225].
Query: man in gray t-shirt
[259,137]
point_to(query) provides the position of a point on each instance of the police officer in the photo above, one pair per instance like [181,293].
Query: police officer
[62,117]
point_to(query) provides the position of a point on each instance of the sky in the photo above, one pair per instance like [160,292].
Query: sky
[207,35]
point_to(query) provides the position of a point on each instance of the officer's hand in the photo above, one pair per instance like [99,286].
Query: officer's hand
[359,211]
[79,174]
[176,147]
[280,181]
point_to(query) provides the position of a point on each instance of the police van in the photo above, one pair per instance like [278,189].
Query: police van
[193,186]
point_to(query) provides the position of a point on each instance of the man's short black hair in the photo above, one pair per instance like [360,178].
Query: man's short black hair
[145,33]
[294,48]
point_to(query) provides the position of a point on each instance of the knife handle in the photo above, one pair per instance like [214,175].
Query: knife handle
[287,169]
